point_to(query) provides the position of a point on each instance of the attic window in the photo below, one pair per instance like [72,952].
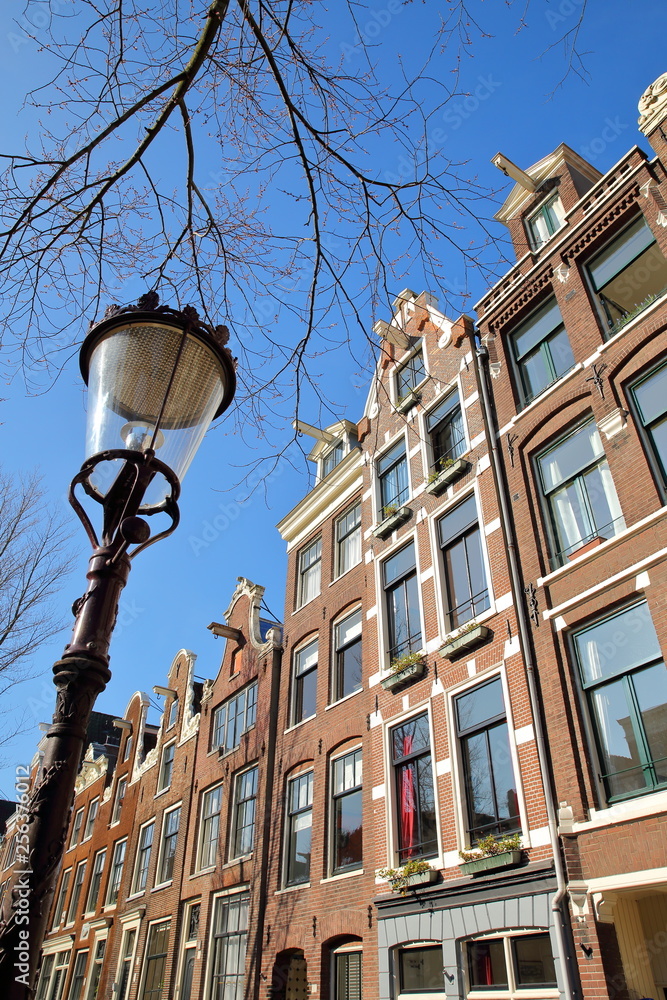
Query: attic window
[546,221]
[332,458]
[410,375]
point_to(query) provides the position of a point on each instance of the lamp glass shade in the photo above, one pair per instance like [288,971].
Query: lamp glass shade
[151,386]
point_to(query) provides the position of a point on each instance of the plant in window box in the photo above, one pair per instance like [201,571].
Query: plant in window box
[492,853]
[393,515]
[411,874]
[405,668]
[444,472]
[407,401]
[469,635]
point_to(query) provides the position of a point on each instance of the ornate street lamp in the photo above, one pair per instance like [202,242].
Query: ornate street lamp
[156,379]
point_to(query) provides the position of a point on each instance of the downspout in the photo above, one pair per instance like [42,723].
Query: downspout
[558,903]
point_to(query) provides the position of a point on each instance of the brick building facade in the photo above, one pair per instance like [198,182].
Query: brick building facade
[473,647]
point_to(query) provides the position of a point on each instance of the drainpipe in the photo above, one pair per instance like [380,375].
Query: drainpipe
[558,903]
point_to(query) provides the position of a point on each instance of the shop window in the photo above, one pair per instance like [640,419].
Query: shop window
[579,492]
[444,425]
[228,947]
[415,798]
[116,874]
[420,969]
[348,540]
[625,680]
[542,351]
[304,683]
[511,965]
[401,589]
[168,841]
[628,275]
[410,375]
[245,806]
[546,221]
[346,811]
[299,828]
[347,656]
[465,577]
[650,398]
[490,786]
[392,473]
[233,718]
[155,960]
[209,826]
[309,572]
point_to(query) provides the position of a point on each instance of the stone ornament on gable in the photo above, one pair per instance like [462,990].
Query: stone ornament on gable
[653,104]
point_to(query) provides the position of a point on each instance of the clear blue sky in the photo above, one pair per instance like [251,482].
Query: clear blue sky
[513,105]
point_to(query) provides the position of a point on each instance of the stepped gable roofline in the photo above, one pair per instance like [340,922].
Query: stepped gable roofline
[540,172]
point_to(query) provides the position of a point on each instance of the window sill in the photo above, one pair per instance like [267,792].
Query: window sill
[237,861]
[335,704]
[162,885]
[135,895]
[203,871]
[292,888]
[460,644]
[337,578]
[341,876]
[447,476]
[162,791]
[306,603]
[408,401]
[296,725]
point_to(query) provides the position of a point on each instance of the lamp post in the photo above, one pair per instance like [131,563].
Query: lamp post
[156,379]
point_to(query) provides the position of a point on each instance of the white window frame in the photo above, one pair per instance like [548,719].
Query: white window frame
[134,890]
[396,970]
[76,830]
[92,988]
[144,965]
[300,577]
[207,993]
[311,640]
[160,858]
[337,560]
[225,705]
[350,948]
[116,848]
[84,978]
[98,854]
[186,944]
[60,910]
[535,242]
[233,854]
[331,811]
[75,895]
[441,601]
[200,834]
[455,385]
[516,993]
[391,815]
[90,822]
[171,720]
[335,697]
[163,786]
[377,488]
[288,826]
[382,618]
[457,769]
[404,362]
[118,800]
[128,924]
[49,991]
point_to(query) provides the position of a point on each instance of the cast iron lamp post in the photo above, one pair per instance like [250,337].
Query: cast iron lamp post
[156,379]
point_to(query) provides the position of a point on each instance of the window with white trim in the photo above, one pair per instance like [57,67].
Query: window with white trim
[168,840]
[245,805]
[542,351]
[166,766]
[173,713]
[332,457]
[155,960]
[401,591]
[545,221]
[466,586]
[233,718]
[491,797]
[304,682]
[347,656]
[53,974]
[90,819]
[128,748]
[510,966]
[410,375]
[299,828]
[227,953]
[209,826]
[116,874]
[191,917]
[444,425]
[309,572]
[348,539]
[393,479]
[96,968]
[79,879]
[419,969]
[76,828]
[143,858]
[95,881]
[78,976]
[121,788]
[416,827]
[59,908]
[346,813]
[126,962]
[347,973]
[649,395]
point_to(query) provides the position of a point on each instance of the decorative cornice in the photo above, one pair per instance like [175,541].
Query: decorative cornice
[592,232]
[652,105]
[529,293]
[91,770]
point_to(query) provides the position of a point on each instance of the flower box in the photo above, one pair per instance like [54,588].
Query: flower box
[448,475]
[422,878]
[467,640]
[408,401]
[503,860]
[399,678]
[392,522]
